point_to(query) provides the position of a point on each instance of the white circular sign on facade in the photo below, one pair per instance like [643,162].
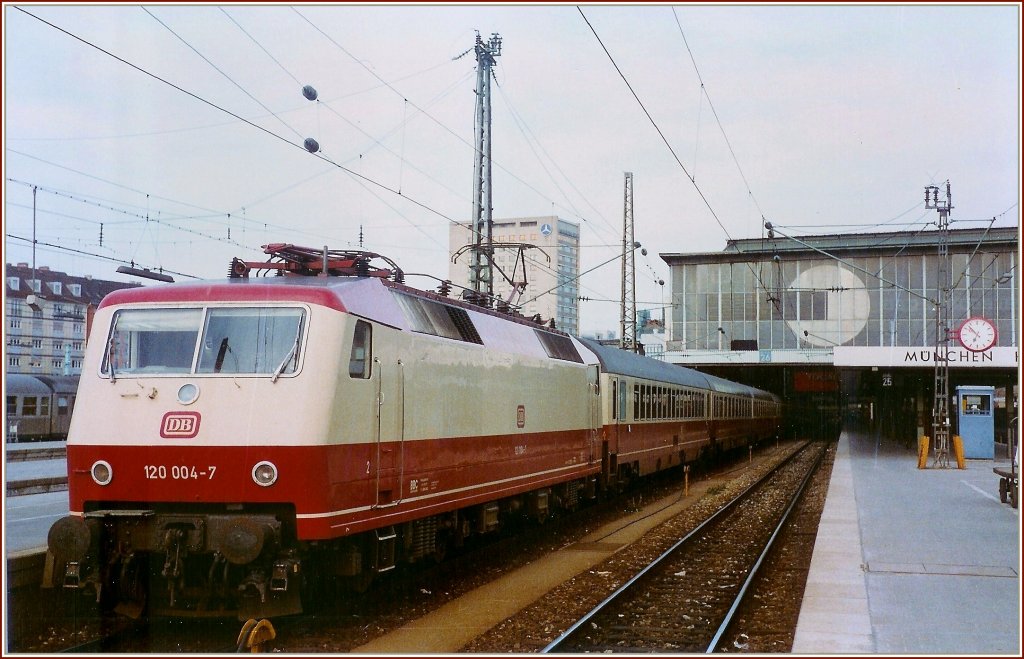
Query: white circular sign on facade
[545,229]
[846,306]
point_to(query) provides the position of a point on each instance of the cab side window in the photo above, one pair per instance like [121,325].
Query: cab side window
[359,360]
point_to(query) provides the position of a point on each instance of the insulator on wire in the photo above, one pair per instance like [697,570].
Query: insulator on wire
[311,145]
[309,92]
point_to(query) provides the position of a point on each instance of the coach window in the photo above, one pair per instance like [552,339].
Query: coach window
[12,406]
[359,360]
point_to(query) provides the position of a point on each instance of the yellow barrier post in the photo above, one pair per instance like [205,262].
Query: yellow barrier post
[958,449]
[922,451]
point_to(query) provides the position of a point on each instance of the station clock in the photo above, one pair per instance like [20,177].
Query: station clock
[977,334]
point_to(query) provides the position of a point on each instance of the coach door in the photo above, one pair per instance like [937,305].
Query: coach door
[390,440]
[594,395]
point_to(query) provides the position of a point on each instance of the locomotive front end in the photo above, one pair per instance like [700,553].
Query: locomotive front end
[191,447]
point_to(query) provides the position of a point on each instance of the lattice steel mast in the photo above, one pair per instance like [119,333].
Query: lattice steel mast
[481,270]
[943,326]
[627,324]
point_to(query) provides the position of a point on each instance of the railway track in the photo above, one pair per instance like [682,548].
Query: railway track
[685,600]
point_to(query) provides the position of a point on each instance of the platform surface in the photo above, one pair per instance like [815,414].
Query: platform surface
[912,561]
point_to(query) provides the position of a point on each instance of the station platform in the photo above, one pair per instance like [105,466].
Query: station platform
[912,561]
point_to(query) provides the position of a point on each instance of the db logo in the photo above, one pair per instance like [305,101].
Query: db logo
[180,425]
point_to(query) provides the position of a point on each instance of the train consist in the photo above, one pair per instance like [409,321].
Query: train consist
[237,444]
[39,406]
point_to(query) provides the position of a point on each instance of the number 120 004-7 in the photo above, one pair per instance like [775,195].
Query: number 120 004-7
[178,472]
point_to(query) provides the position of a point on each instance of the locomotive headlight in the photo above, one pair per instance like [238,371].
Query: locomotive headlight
[264,473]
[102,472]
[188,393]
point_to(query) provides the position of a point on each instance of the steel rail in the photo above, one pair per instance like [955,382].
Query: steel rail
[555,644]
[760,559]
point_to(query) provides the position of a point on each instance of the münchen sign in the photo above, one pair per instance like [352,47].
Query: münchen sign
[917,356]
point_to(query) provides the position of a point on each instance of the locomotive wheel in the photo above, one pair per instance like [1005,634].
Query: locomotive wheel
[440,548]
[359,583]
[130,589]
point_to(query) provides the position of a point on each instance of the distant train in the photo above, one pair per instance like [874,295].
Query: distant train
[238,444]
[39,406]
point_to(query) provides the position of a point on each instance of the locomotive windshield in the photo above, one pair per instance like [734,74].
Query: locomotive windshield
[236,340]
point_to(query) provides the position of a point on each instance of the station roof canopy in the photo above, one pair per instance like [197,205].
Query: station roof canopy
[850,244]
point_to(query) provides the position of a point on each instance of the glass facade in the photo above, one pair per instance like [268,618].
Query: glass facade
[567,318]
[809,301]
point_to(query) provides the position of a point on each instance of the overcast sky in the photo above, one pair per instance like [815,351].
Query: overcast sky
[171,135]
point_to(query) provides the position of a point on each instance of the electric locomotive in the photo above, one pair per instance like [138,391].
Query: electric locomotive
[237,444]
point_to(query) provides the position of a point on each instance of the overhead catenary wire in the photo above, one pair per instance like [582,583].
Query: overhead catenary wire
[211,215]
[437,121]
[672,151]
[529,135]
[145,218]
[711,105]
[249,122]
[257,126]
[261,47]
[220,71]
[99,256]
[237,116]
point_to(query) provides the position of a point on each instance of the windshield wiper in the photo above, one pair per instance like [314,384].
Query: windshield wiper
[293,352]
[219,363]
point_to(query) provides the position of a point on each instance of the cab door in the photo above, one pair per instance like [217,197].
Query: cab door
[390,431]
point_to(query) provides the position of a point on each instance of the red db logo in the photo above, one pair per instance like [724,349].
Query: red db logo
[180,425]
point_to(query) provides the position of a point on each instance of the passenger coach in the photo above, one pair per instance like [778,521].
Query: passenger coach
[657,415]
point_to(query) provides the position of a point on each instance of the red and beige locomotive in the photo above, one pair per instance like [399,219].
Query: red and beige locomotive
[236,442]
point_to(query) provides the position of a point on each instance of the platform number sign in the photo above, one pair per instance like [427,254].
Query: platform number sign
[886,379]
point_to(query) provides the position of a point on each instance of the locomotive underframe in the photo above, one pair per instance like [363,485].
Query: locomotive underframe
[219,561]
[211,561]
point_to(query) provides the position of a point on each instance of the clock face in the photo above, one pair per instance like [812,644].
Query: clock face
[977,334]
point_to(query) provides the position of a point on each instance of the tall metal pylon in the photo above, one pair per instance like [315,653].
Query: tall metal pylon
[481,270]
[943,326]
[627,324]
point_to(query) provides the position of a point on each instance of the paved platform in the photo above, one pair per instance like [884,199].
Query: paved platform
[912,561]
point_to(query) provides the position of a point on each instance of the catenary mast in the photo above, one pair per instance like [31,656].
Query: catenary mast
[627,323]
[481,270]
[943,326]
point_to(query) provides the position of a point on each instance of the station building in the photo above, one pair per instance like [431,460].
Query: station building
[47,317]
[846,323]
